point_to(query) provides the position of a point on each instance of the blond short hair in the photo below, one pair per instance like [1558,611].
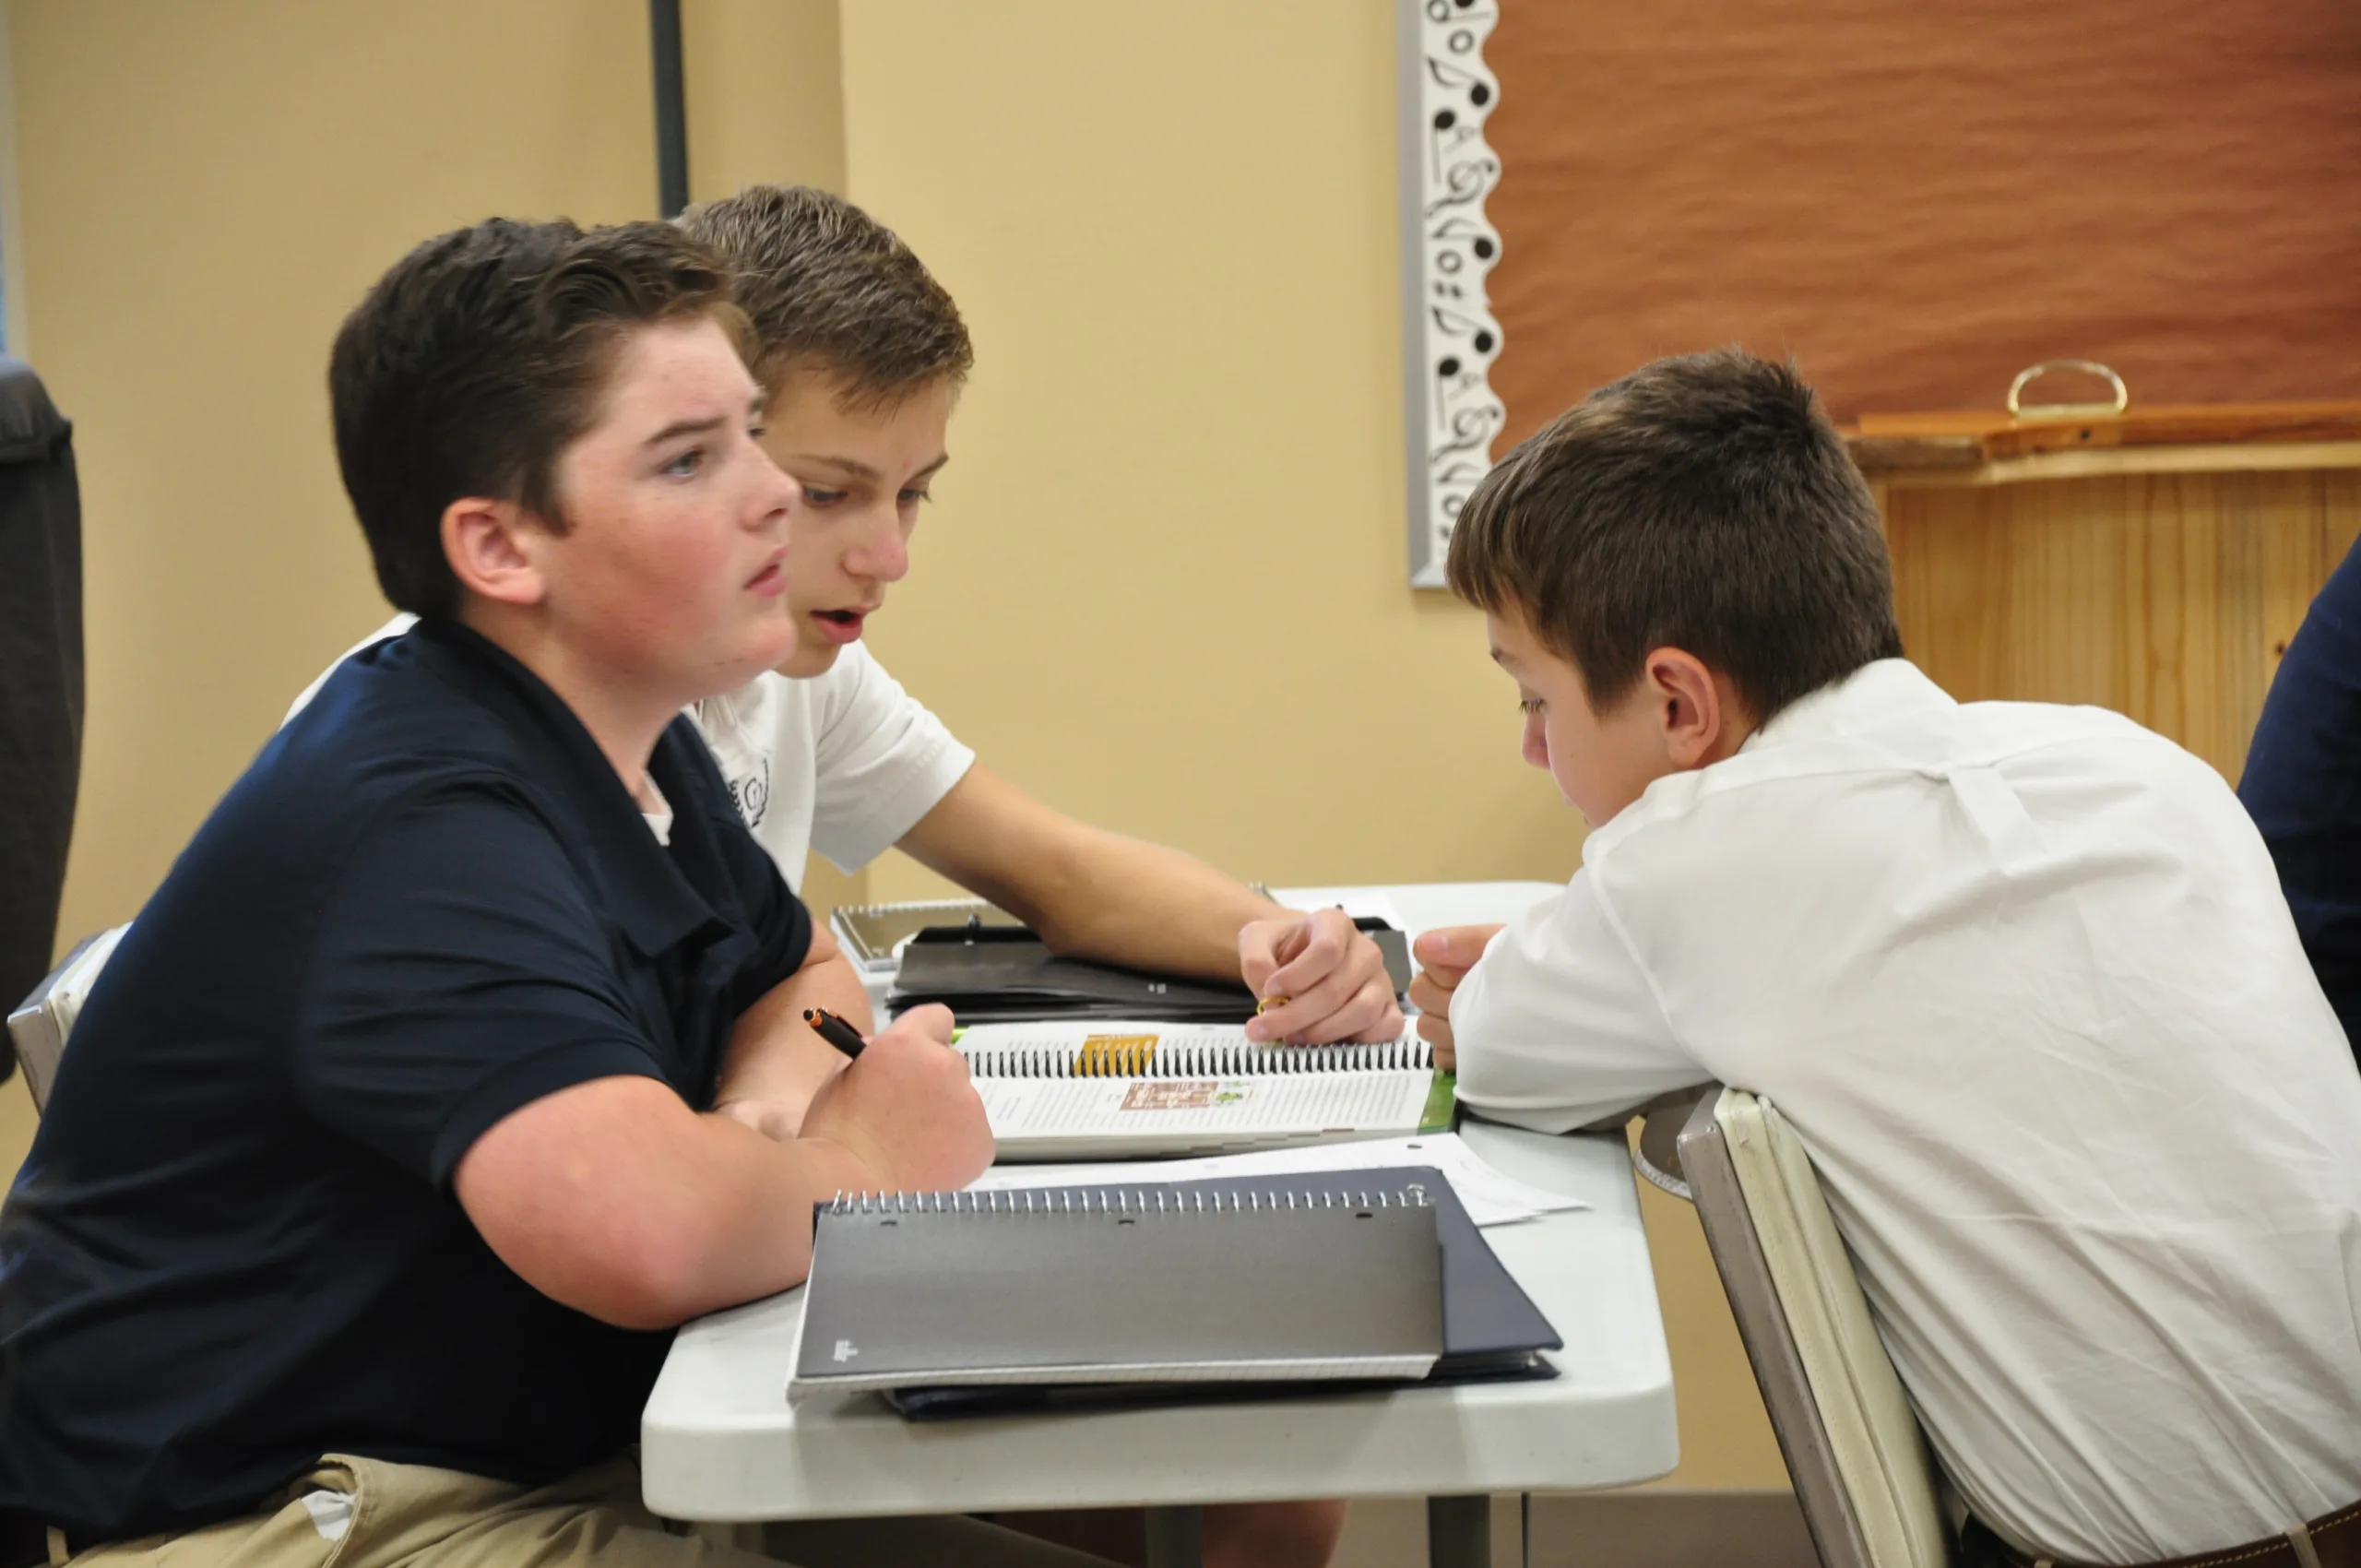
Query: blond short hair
[826,287]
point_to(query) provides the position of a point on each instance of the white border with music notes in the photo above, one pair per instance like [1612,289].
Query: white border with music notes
[1449,337]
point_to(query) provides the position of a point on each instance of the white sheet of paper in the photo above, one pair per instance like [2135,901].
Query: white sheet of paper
[1491,1197]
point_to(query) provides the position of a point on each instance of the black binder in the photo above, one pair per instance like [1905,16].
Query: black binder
[1006,974]
[1127,1295]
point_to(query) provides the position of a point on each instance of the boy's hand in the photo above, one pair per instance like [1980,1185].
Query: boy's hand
[905,1108]
[1331,978]
[1444,955]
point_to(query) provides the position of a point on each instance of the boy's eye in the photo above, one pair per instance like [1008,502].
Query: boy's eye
[1529,705]
[686,465]
[913,497]
[816,495]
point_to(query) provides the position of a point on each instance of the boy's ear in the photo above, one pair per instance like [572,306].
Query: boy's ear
[1700,714]
[490,546]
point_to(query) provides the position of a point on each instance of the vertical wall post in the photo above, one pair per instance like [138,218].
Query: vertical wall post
[671,108]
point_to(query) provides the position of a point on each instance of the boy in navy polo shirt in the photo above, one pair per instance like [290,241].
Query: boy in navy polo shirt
[381,1165]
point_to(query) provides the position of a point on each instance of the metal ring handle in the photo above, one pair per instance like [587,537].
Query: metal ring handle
[2031,374]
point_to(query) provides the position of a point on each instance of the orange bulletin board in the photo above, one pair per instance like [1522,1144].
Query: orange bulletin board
[1915,201]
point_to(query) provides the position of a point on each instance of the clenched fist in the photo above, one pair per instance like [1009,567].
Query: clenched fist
[1444,955]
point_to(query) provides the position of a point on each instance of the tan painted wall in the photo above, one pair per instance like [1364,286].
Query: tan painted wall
[766,94]
[1164,585]
[207,190]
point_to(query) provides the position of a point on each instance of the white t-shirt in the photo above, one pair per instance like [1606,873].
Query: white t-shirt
[844,763]
[2023,980]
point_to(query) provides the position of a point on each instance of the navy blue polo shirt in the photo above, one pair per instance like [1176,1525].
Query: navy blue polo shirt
[2302,785]
[234,1246]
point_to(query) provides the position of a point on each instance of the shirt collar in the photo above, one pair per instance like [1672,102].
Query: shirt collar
[649,898]
[1886,689]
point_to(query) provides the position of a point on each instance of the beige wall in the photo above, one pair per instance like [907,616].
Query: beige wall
[1164,584]
[207,190]
[766,94]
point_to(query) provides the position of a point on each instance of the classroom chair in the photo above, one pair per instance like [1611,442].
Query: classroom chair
[1862,1473]
[41,668]
[38,1026]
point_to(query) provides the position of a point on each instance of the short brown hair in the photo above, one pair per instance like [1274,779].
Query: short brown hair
[477,360]
[827,286]
[1704,504]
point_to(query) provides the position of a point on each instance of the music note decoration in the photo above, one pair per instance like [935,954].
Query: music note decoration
[1451,338]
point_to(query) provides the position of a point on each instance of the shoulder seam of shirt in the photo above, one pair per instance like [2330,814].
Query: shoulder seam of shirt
[402,799]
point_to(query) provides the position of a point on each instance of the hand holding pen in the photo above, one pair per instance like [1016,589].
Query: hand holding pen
[906,1108]
[835,1030]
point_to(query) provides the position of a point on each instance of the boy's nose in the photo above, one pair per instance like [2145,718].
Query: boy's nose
[881,553]
[1537,742]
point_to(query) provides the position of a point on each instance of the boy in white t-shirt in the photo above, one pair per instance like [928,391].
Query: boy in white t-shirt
[2019,976]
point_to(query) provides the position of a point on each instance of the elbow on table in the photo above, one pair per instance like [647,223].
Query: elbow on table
[1515,1099]
[657,1270]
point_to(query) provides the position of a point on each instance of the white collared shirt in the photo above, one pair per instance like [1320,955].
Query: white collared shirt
[845,762]
[2021,978]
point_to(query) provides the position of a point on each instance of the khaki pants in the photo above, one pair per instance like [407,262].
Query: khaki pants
[369,1514]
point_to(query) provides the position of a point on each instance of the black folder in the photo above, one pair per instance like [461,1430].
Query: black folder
[1006,974]
[1490,1330]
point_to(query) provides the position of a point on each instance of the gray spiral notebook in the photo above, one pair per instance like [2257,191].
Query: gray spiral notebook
[1122,1286]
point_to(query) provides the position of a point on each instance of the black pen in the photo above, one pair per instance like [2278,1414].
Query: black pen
[835,1030]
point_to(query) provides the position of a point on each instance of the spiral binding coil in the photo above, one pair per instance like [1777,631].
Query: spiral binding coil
[1184,1057]
[1120,1201]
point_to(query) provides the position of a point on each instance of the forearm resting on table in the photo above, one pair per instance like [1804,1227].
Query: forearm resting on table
[776,1063]
[1125,901]
[615,1198]
[1091,894]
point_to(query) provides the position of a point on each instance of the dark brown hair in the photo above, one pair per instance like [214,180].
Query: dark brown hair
[477,360]
[1704,504]
[827,286]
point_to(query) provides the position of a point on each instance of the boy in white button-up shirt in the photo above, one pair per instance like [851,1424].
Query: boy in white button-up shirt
[2021,976]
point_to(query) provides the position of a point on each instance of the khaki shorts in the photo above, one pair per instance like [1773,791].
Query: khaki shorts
[354,1512]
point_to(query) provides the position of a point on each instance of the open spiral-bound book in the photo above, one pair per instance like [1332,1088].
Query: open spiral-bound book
[1101,1091]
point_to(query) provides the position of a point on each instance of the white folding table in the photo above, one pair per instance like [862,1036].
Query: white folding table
[720,1442]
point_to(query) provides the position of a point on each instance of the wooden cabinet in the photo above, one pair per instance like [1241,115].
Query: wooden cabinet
[2154,563]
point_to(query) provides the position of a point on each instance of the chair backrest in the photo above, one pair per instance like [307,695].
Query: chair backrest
[39,1024]
[1853,1445]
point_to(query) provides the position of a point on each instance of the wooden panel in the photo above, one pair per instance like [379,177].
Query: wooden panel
[1976,438]
[2167,597]
[1917,201]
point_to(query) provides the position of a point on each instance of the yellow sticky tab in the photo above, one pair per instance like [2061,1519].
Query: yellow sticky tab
[1115,1056]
